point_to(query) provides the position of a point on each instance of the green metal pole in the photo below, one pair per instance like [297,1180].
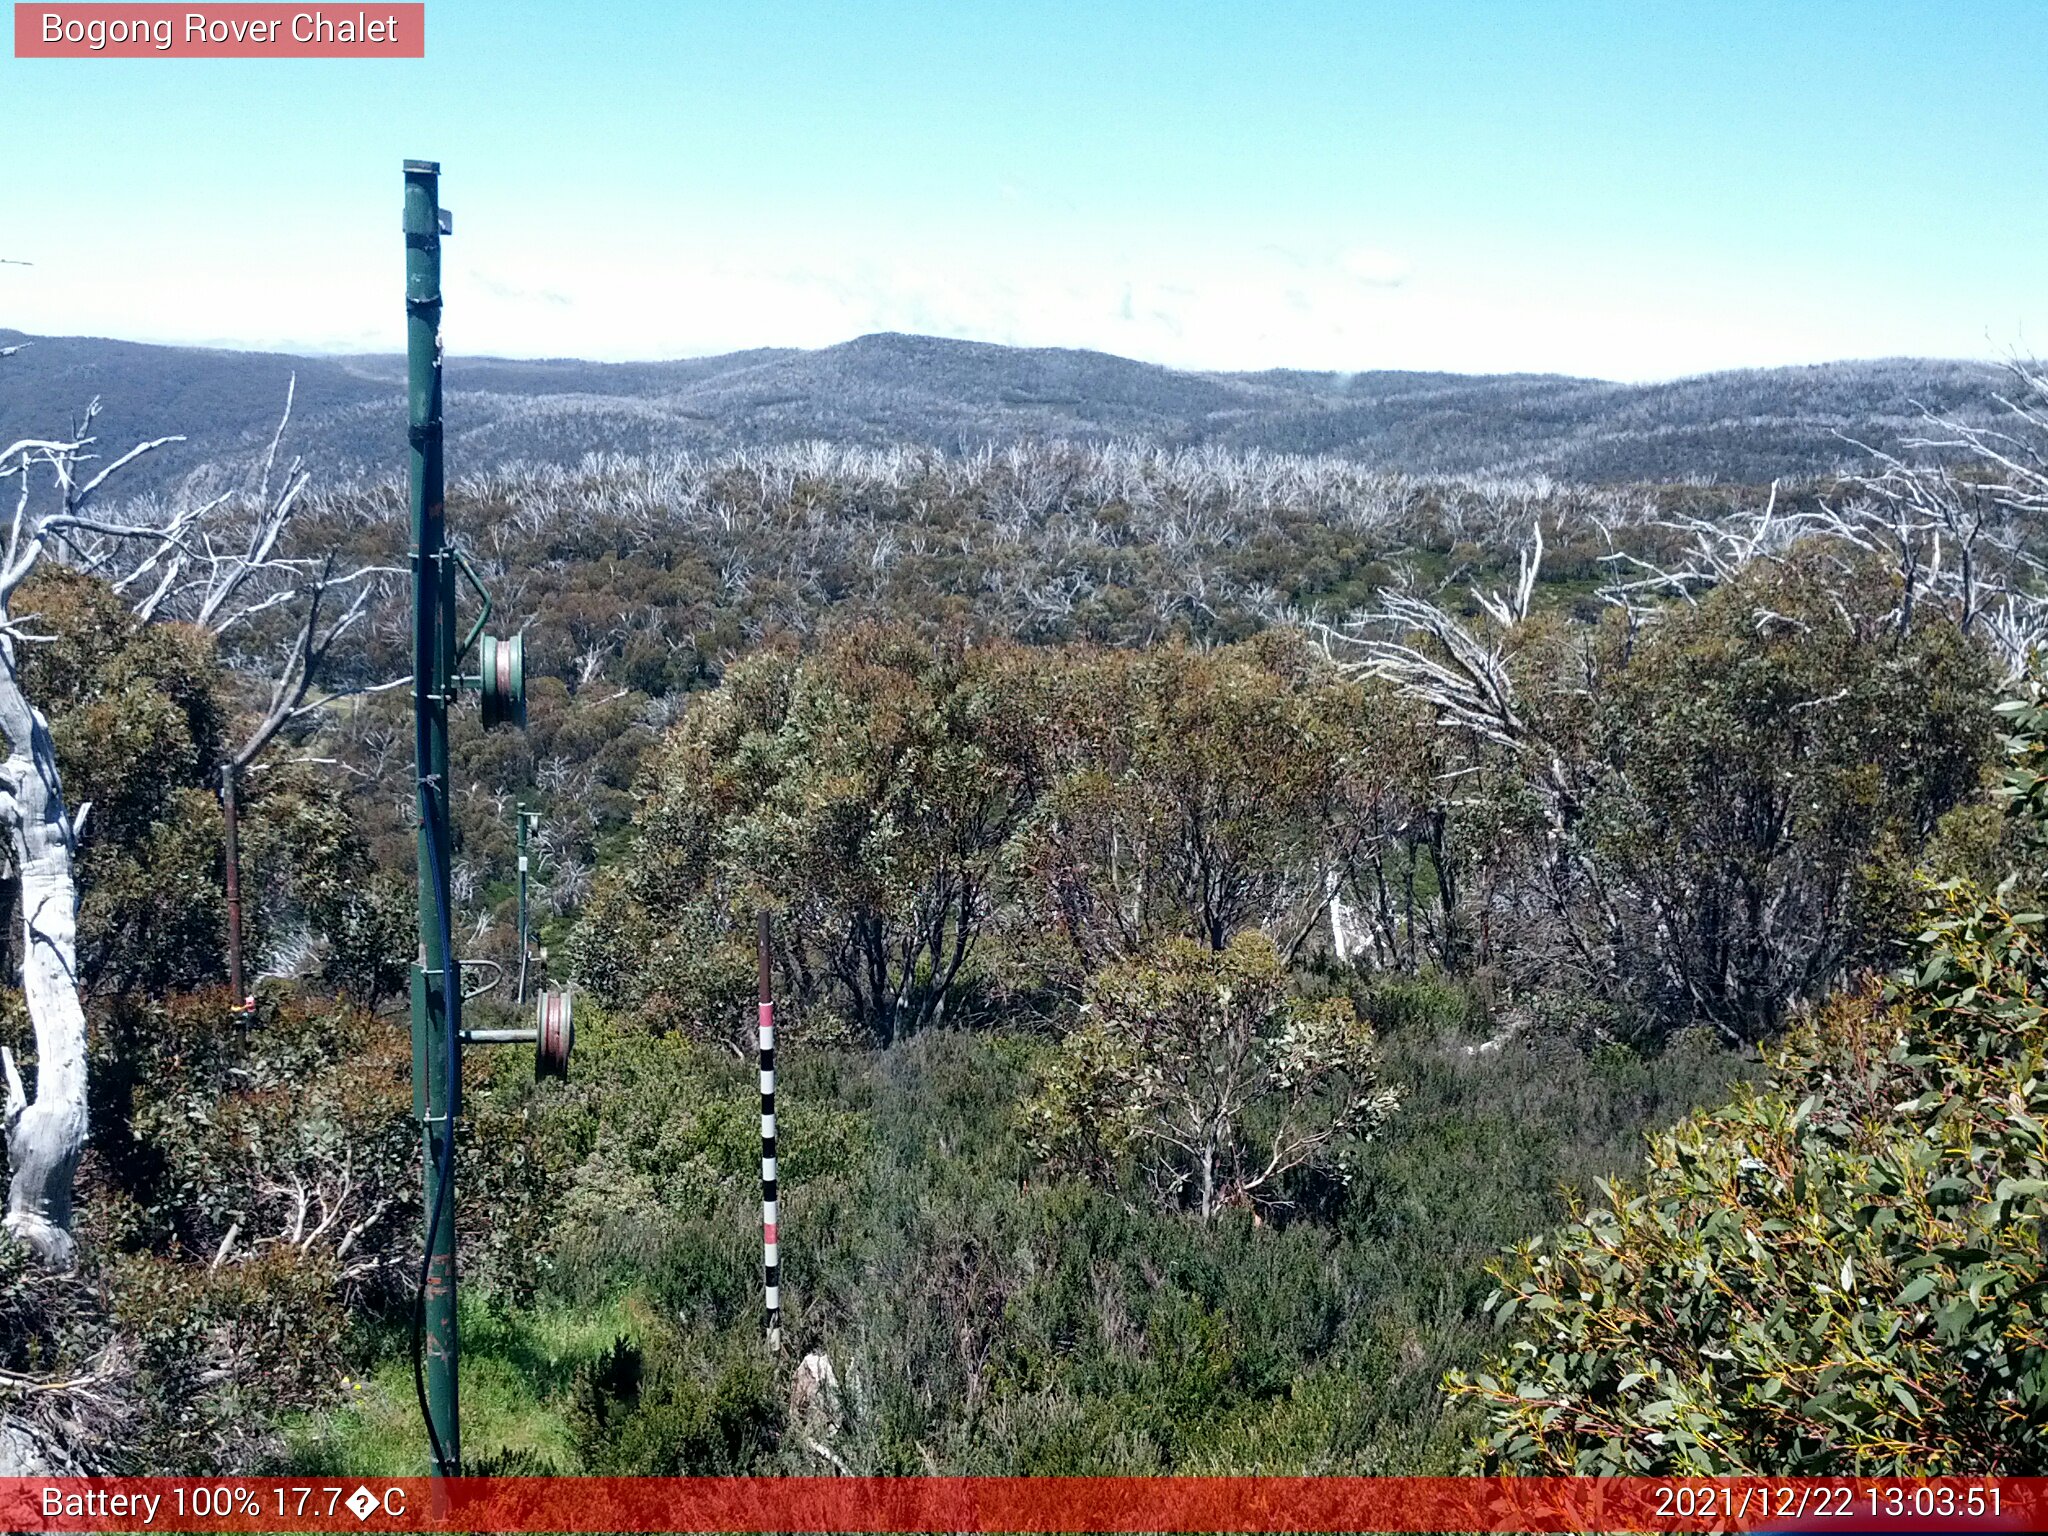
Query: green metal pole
[436,997]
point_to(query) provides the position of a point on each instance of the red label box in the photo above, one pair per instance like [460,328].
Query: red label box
[890,1506]
[115,31]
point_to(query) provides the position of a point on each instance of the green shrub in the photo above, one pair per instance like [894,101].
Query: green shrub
[221,1353]
[1763,771]
[652,1411]
[1201,1067]
[1419,1005]
[1840,1273]
[49,1323]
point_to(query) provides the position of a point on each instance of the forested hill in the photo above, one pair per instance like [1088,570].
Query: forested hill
[1749,426]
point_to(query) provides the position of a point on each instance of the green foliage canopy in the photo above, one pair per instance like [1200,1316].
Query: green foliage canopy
[901,804]
[1762,773]
[1840,1273]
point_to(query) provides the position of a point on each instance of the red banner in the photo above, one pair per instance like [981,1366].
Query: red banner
[374,31]
[976,1504]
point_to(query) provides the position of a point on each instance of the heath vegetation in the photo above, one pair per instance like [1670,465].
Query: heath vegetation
[1284,967]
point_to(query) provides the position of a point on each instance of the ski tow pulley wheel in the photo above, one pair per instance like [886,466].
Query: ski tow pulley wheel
[555,1035]
[503,683]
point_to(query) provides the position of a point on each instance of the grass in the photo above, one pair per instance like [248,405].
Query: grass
[518,1369]
[984,1318]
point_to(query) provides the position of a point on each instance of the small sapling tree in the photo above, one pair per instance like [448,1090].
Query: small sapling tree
[1200,1066]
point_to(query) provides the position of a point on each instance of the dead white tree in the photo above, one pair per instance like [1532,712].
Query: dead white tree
[46,1134]
[1460,672]
[218,563]
[237,573]
[276,611]
[1959,516]
[1962,521]
[320,1201]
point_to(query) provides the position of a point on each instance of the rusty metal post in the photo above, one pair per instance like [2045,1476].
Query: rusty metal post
[230,816]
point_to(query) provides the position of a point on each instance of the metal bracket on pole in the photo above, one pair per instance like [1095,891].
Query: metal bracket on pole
[483,597]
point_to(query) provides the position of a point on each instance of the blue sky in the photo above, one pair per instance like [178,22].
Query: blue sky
[1631,190]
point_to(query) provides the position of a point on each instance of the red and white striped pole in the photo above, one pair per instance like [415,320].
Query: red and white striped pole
[771,1264]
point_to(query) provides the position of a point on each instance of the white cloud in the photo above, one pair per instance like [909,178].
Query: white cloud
[1346,307]
[1381,269]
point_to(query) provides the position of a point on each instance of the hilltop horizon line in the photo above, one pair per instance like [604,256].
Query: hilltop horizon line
[317,353]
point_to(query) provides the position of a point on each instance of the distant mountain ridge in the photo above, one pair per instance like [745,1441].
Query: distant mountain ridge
[1748,426]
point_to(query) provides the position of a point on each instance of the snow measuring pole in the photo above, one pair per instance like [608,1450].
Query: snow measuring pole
[771,1218]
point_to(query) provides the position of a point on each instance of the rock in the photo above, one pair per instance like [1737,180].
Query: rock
[23,1453]
[814,1405]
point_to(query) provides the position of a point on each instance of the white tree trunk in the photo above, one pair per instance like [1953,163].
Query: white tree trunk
[46,1136]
